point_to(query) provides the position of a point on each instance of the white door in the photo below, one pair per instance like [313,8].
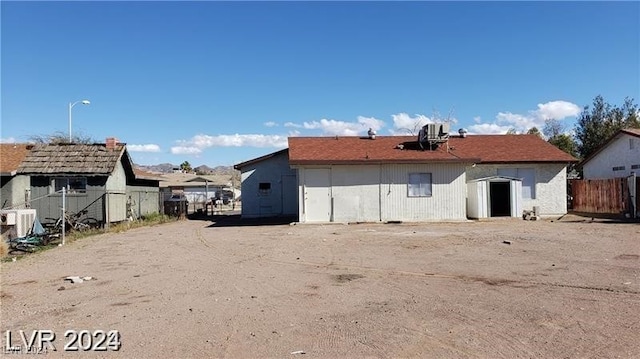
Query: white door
[317,195]
[516,198]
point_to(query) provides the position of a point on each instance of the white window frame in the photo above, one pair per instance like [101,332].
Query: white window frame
[419,184]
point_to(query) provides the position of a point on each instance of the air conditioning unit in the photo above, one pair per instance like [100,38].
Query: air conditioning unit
[19,221]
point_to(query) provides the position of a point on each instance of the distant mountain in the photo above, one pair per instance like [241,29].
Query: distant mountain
[202,169]
[161,168]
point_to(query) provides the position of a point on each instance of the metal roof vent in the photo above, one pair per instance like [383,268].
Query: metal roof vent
[463,132]
[371,133]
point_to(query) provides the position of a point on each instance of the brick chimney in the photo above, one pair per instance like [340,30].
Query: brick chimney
[111,143]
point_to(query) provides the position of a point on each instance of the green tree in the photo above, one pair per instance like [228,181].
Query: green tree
[597,124]
[185,167]
[554,131]
[534,131]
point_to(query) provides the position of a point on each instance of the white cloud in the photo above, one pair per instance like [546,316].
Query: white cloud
[402,121]
[477,119]
[291,124]
[342,128]
[198,143]
[488,128]
[143,148]
[557,110]
[185,150]
[8,140]
[270,124]
[519,122]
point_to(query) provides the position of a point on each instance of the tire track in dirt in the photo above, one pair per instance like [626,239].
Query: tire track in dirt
[485,280]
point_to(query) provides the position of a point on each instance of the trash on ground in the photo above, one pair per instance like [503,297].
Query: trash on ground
[298,352]
[77,279]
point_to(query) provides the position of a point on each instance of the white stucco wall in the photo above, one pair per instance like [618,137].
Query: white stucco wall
[372,193]
[551,185]
[622,151]
[281,200]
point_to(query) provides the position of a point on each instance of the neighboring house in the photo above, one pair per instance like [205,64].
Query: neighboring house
[618,157]
[269,186]
[98,178]
[390,178]
[14,187]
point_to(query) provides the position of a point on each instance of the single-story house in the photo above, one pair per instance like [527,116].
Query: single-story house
[618,157]
[395,178]
[98,178]
[269,186]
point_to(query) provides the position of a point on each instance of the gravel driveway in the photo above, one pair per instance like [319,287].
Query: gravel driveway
[203,289]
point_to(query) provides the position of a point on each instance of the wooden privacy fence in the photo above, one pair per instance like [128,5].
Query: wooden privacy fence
[600,196]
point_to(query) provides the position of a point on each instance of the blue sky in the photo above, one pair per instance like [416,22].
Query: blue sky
[218,83]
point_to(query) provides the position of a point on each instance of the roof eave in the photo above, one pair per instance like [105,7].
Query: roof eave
[527,161]
[240,165]
[379,162]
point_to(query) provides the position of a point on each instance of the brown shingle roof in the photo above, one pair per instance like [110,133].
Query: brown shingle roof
[11,155]
[510,149]
[89,159]
[384,149]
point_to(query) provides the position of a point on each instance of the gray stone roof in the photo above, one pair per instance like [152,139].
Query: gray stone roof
[88,159]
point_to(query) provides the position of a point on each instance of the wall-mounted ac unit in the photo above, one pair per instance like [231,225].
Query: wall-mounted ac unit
[19,221]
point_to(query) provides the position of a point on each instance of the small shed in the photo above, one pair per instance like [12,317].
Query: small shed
[495,196]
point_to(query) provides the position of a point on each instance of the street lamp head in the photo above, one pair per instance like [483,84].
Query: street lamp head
[85,102]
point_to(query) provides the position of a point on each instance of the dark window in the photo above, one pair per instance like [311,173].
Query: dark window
[618,168]
[635,167]
[264,188]
[72,184]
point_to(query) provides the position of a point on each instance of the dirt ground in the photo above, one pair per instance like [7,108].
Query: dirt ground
[196,289]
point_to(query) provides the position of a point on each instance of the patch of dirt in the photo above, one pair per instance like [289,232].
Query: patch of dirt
[346,277]
[628,256]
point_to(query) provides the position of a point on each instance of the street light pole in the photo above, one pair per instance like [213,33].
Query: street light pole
[84,102]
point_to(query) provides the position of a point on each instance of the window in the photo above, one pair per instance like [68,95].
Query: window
[635,167]
[264,188]
[618,168]
[419,185]
[528,176]
[631,144]
[72,184]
